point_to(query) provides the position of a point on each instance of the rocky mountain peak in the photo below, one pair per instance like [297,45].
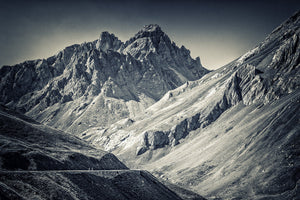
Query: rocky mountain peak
[149,37]
[154,45]
[151,30]
[108,41]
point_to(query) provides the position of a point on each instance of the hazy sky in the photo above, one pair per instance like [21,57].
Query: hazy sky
[218,30]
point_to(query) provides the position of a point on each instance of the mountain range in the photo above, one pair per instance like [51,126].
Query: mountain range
[98,83]
[232,133]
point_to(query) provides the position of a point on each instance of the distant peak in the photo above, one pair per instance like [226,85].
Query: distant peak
[106,34]
[108,41]
[151,28]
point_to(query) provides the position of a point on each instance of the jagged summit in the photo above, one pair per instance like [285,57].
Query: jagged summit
[151,28]
[150,36]
[105,35]
[108,41]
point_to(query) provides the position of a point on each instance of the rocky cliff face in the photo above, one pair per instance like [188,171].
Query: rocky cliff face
[99,82]
[247,103]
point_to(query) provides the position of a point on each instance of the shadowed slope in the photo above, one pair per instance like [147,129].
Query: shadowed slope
[38,162]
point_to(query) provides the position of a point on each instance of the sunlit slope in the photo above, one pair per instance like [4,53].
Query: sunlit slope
[232,133]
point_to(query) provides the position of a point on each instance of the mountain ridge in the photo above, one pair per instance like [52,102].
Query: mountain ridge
[108,75]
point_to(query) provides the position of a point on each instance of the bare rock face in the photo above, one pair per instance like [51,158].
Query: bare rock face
[153,45]
[108,42]
[99,82]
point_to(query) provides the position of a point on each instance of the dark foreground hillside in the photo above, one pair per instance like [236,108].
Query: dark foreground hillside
[38,162]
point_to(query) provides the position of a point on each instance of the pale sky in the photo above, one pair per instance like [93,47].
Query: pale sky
[218,31]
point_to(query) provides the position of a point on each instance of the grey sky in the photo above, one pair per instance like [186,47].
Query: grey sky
[218,30]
